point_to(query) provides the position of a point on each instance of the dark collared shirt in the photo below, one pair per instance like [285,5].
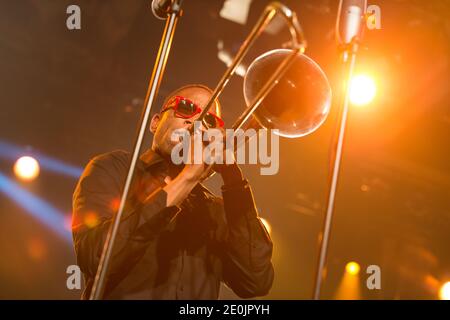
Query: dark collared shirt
[178,252]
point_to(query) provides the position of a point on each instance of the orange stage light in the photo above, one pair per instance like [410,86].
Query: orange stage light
[444,293]
[362,90]
[352,268]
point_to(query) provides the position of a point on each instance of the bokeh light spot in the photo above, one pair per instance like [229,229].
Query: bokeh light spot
[362,90]
[352,268]
[91,219]
[444,293]
[37,249]
[26,168]
[115,204]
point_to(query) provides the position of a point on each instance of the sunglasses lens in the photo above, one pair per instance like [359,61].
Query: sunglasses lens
[186,108]
[210,120]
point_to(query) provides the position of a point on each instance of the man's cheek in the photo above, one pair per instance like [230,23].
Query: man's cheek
[174,137]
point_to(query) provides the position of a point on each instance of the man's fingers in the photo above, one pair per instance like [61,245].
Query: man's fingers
[167,180]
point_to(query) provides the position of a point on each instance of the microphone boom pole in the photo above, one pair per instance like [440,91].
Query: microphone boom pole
[324,238]
[174,12]
[350,47]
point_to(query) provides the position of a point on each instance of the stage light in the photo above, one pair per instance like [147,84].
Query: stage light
[352,268]
[236,10]
[267,225]
[350,286]
[362,90]
[26,168]
[444,293]
[12,152]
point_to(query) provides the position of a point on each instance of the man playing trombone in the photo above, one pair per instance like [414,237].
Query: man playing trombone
[176,239]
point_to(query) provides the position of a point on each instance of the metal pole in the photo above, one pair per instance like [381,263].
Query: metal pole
[324,239]
[158,71]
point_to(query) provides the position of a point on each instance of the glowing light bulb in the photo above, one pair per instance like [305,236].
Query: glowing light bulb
[362,90]
[444,293]
[352,268]
[26,168]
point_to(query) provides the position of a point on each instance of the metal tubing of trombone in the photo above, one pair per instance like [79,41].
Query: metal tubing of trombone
[269,13]
[349,60]
[158,71]
[268,86]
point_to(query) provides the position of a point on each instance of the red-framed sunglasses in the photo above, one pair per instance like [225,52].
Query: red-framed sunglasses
[185,108]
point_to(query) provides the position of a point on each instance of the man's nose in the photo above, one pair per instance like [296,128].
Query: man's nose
[189,123]
[202,127]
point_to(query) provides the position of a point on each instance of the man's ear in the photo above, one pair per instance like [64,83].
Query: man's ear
[154,123]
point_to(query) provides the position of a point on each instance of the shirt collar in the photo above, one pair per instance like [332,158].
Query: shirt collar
[150,158]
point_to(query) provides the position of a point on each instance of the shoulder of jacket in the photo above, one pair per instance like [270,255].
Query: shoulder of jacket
[116,156]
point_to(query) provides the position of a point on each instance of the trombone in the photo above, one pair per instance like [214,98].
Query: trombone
[283,89]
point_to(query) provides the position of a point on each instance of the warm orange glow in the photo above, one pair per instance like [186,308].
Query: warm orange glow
[26,168]
[432,283]
[267,225]
[444,293]
[37,249]
[362,90]
[91,219]
[350,286]
[115,204]
[352,268]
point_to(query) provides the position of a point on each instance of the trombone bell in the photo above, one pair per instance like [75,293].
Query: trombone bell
[300,100]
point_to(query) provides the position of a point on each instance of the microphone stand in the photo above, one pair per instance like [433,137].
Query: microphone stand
[348,60]
[174,12]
